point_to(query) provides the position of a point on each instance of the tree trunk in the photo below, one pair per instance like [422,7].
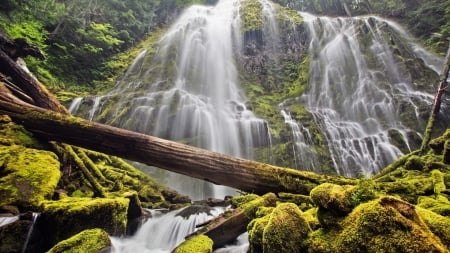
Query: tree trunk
[29,85]
[437,103]
[249,176]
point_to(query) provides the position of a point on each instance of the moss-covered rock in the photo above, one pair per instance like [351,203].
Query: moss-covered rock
[198,244]
[286,230]
[438,204]
[333,197]
[91,240]
[255,233]
[386,225]
[438,224]
[251,208]
[28,176]
[66,217]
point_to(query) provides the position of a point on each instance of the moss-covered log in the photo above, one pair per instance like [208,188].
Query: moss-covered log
[249,176]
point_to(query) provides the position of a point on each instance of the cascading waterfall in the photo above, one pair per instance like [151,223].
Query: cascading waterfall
[355,104]
[199,102]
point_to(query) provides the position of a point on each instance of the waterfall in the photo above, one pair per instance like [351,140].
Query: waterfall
[355,92]
[188,90]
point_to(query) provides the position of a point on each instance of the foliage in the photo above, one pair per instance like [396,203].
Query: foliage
[82,38]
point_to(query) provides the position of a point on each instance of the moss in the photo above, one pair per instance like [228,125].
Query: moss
[91,240]
[439,205]
[251,208]
[335,198]
[289,16]
[29,176]
[286,230]
[198,244]
[310,216]
[438,224]
[386,225]
[69,216]
[303,201]
[252,16]
[13,134]
[446,153]
[321,241]
[240,200]
[255,233]
[438,181]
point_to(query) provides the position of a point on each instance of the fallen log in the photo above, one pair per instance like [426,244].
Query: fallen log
[248,176]
[29,85]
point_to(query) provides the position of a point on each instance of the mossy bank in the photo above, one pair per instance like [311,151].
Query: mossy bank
[33,178]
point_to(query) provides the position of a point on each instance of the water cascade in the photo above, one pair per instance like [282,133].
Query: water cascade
[163,231]
[188,91]
[357,92]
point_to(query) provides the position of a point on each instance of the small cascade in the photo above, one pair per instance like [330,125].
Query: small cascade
[164,231]
[7,220]
[304,156]
[34,217]
[75,105]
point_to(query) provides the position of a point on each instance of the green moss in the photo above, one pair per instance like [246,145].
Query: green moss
[438,181]
[310,216]
[255,233]
[29,176]
[439,205]
[251,208]
[288,16]
[69,216]
[252,16]
[240,200]
[198,244]
[13,134]
[286,230]
[321,241]
[438,224]
[386,225]
[91,240]
[335,198]
[303,201]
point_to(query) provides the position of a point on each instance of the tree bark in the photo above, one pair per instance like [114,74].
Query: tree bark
[29,85]
[249,176]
